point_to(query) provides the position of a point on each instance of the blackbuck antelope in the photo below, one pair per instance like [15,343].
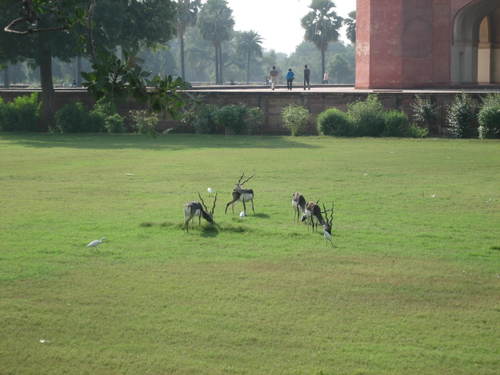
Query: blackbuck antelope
[327,226]
[313,214]
[193,209]
[298,204]
[240,194]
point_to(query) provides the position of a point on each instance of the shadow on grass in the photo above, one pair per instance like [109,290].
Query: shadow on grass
[209,231]
[166,142]
[262,216]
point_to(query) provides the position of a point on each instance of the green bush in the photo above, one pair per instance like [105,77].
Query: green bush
[396,124]
[415,131]
[21,114]
[72,118]
[425,113]
[462,117]
[202,118]
[295,118]
[232,118]
[145,122]
[489,116]
[334,122]
[254,119]
[367,117]
[114,124]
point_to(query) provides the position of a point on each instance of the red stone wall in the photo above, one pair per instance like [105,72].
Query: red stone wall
[405,43]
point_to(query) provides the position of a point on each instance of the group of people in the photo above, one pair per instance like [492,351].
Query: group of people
[290,76]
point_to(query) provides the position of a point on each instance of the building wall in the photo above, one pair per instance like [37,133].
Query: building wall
[408,43]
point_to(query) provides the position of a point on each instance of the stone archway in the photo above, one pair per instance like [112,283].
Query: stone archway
[474,55]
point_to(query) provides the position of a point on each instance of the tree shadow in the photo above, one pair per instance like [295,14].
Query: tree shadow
[164,142]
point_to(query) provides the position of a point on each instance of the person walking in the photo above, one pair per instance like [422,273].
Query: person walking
[274,73]
[307,77]
[325,78]
[289,79]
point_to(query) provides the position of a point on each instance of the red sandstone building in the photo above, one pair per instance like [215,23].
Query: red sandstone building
[427,43]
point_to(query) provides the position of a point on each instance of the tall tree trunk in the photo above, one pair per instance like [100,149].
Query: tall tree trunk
[78,79]
[322,65]
[183,70]
[45,61]
[216,64]
[6,77]
[248,68]
[221,65]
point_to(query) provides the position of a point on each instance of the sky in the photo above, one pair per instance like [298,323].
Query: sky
[278,21]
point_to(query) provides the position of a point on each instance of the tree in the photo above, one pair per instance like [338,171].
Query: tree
[341,71]
[351,27]
[216,25]
[43,29]
[249,44]
[187,12]
[321,26]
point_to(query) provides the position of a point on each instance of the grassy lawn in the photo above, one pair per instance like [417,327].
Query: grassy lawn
[412,285]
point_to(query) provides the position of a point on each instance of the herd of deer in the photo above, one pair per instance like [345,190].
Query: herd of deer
[307,212]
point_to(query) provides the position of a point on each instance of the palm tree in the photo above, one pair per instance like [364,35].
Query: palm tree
[216,25]
[249,44]
[322,26]
[187,11]
[351,27]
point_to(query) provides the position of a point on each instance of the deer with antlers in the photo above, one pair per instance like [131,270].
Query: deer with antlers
[327,226]
[240,194]
[298,204]
[313,213]
[193,209]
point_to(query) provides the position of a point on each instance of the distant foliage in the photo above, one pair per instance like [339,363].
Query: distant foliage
[73,118]
[21,114]
[115,124]
[367,117]
[334,122]
[462,117]
[425,113]
[201,117]
[489,116]
[232,118]
[295,118]
[105,117]
[254,119]
[145,122]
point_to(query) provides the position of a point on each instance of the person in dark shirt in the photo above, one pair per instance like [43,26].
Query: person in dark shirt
[289,79]
[307,77]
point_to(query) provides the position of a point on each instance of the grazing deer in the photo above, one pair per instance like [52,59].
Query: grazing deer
[327,226]
[193,209]
[314,214]
[240,194]
[298,204]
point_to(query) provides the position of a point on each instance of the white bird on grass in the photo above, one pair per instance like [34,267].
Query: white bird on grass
[243,214]
[96,243]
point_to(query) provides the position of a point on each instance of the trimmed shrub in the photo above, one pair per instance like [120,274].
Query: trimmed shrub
[254,119]
[489,116]
[425,113]
[295,118]
[145,122]
[72,118]
[21,114]
[334,122]
[202,118]
[114,124]
[367,117]
[462,117]
[415,131]
[232,118]
[397,124]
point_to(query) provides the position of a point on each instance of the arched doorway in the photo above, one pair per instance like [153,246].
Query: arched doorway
[476,44]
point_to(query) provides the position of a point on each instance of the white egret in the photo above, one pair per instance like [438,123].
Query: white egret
[96,243]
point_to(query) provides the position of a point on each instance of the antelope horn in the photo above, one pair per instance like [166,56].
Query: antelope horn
[213,207]
[203,202]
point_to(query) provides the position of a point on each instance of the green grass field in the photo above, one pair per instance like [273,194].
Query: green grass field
[412,285]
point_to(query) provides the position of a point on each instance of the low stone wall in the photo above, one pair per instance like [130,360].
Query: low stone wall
[272,103]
